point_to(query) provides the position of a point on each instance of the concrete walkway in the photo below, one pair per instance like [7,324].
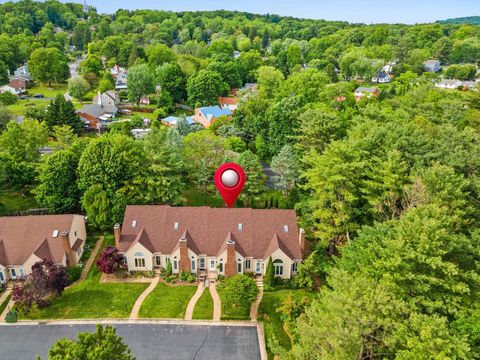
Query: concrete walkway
[142,297]
[256,304]
[217,303]
[193,301]
[91,259]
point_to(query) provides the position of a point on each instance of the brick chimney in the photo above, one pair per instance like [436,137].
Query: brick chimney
[183,262]
[231,265]
[68,249]
[301,240]
[116,232]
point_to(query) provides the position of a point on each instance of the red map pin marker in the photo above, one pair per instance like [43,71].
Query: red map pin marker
[229,179]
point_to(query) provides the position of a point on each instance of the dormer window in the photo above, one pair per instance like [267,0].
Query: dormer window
[134,223]
[240,226]
[55,233]
[285,228]
[175,226]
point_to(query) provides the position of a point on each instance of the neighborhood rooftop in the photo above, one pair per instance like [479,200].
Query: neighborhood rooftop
[159,229]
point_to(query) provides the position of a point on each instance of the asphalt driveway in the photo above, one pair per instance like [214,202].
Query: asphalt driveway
[147,341]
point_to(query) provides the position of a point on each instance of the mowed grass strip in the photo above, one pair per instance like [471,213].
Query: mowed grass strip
[204,307]
[168,302]
[272,322]
[91,299]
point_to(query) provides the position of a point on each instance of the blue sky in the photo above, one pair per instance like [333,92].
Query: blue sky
[366,11]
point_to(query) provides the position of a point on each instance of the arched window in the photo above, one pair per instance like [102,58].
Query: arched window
[278,266]
[139,259]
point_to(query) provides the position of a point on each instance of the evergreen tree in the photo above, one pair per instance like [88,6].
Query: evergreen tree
[62,112]
[269,278]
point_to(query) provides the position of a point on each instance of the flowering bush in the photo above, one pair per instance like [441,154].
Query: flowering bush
[110,261]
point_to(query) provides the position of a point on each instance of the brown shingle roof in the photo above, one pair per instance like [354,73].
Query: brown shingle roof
[207,229]
[24,235]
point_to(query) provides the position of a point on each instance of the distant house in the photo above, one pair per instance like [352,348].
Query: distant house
[471,85]
[432,65]
[228,103]
[119,74]
[250,86]
[96,115]
[108,98]
[236,54]
[145,100]
[16,87]
[140,133]
[210,241]
[207,115]
[361,92]
[381,77]
[26,240]
[449,84]
[172,121]
[22,73]
[388,68]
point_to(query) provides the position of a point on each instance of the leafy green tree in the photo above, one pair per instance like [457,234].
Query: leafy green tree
[111,165]
[48,64]
[221,48]
[240,291]
[269,80]
[305,277]
[228,71]
[286,169]
[255,183]
[202,146]
[140,82]
[78,87]
[235,143]
[62,112]
[248,63]
[283,122]
[104,344]
[461,72]
[92,65]
[64,136]
[58,190]
[162,181]
[205,87]
[5,117]
[172,79]
[3,73]
[97,207]
[159,54]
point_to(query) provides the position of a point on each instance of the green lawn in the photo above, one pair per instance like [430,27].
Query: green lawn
[12,201]
[231,313]
[204,307]
[167,302]
[4,304]
[90,299]
[47,91]
[272,323]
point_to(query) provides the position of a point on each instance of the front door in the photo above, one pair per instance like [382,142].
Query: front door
[258,267]
[239,268]
[13,272]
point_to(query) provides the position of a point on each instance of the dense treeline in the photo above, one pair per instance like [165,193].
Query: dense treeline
[387,187]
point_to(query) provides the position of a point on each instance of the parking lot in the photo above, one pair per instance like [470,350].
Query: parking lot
[147,341]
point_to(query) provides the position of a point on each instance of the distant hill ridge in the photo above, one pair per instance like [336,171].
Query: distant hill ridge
[474,20]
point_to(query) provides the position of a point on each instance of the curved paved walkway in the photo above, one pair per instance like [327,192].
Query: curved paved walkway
[217,303]
[193,301]
[256,304]
[91,259]
[142,297]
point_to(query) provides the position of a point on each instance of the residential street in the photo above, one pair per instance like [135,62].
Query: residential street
[147,341]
